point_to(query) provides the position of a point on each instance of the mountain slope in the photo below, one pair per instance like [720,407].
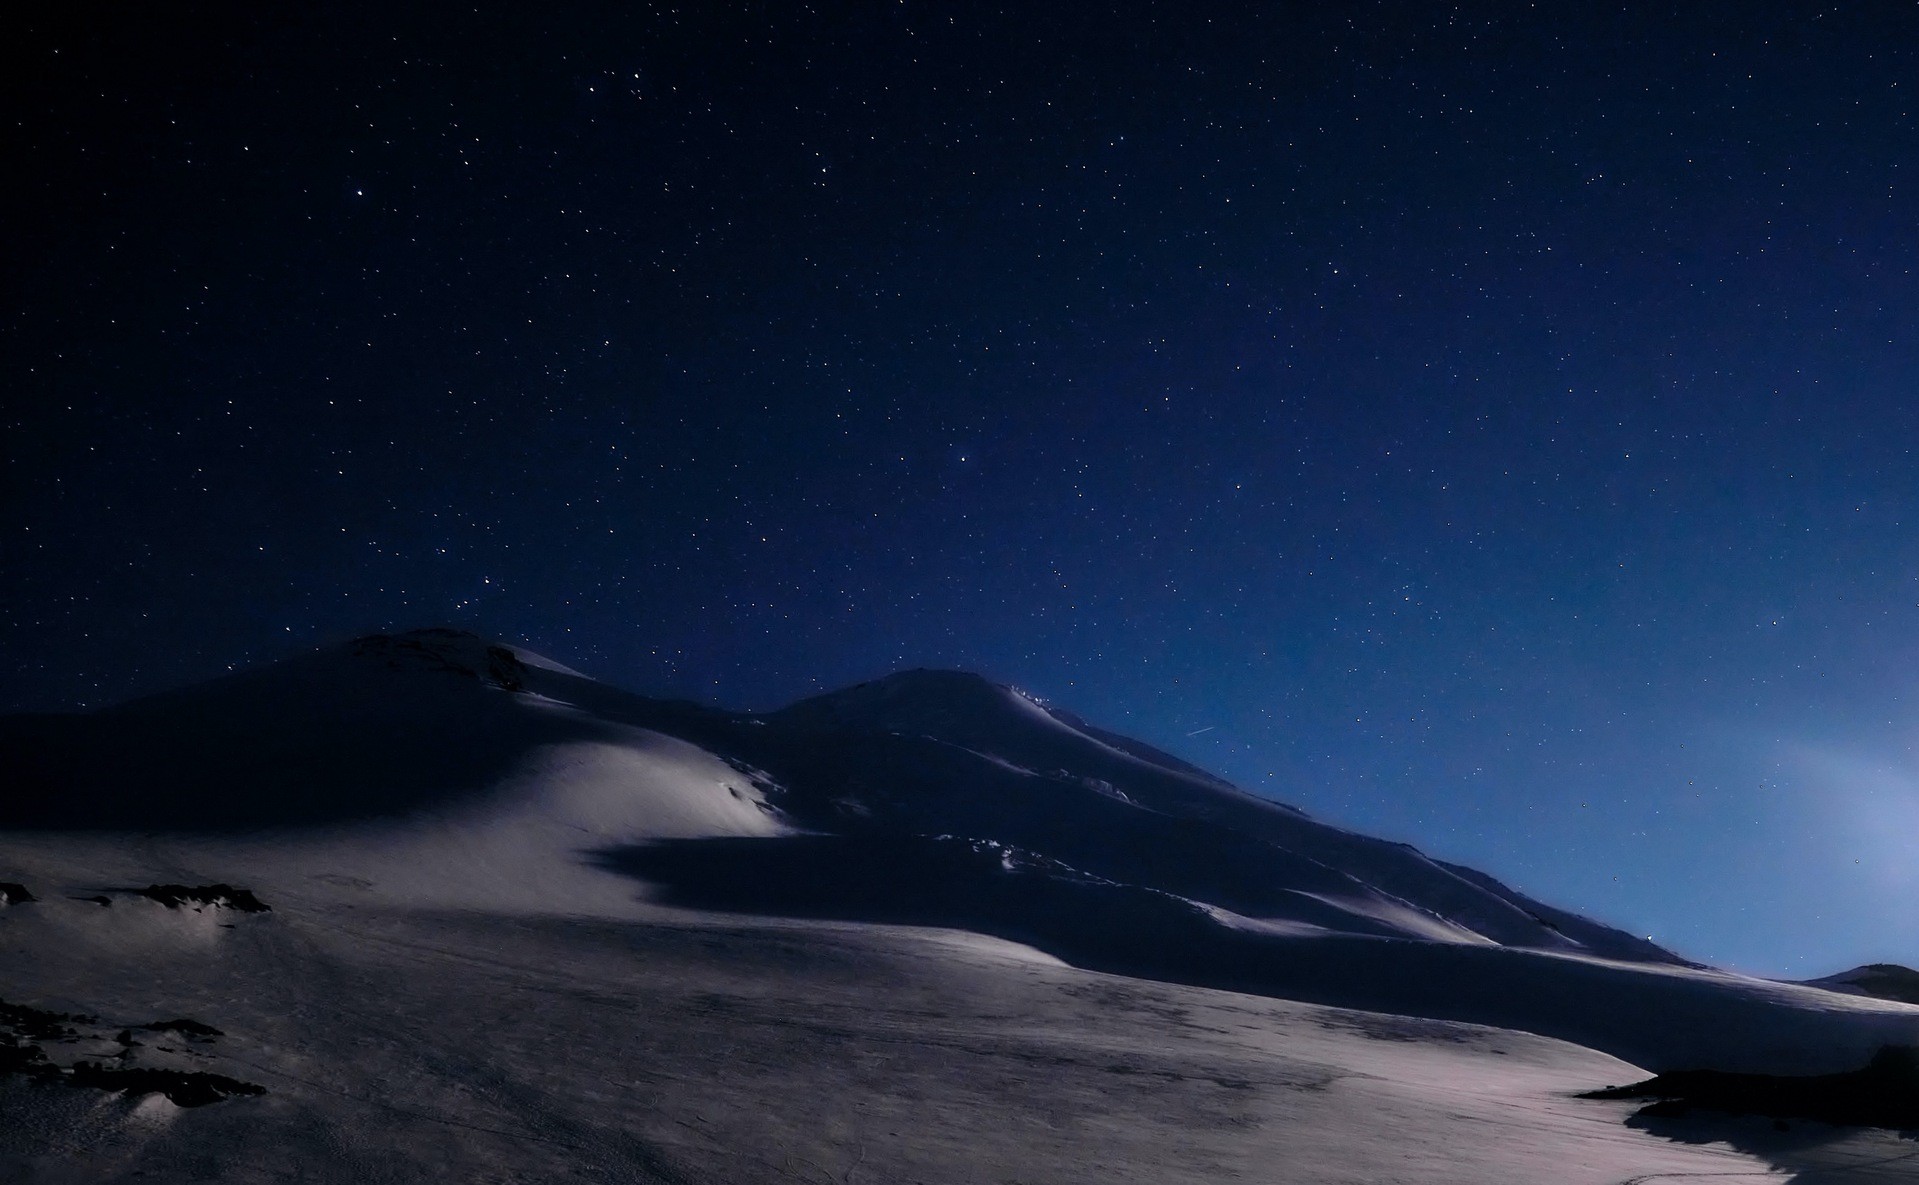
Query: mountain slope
[1884,981]
[1120,809]
[388,726]
[438,769]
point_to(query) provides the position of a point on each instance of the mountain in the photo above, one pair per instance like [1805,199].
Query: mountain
[1884,981]
[392,725]
[437,810]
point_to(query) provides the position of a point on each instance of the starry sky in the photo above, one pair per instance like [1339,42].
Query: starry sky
[1486,426]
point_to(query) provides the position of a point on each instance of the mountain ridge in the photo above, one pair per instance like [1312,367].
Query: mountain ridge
[920,751]
[439,769]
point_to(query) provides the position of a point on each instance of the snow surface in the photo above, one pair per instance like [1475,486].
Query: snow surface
[1887,981]
[401,1044]
[527,926]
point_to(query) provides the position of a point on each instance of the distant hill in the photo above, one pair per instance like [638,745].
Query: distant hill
[1884,981]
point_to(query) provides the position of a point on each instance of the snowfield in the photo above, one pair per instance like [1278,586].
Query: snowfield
[524,926]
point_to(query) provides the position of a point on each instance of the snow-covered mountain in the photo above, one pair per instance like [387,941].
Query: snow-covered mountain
[399,789]
[1887,981]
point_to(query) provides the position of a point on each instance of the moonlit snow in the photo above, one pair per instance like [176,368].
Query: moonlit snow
[520,925]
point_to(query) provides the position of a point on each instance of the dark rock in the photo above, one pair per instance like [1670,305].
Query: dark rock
[181,1087]
[1884,1093]
[504,669]
[40,1023]
[455,651]
[220,896]
[191,1028]
[12,894]
[16,1058]
[18,1055]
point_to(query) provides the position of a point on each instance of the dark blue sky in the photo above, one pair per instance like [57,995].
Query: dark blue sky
[1494,426]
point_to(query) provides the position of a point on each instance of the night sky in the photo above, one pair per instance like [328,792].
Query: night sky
[1482,426]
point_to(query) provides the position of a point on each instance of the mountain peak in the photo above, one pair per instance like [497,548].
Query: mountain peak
[1886,981]
[946,703]
[925,681]
[445,648]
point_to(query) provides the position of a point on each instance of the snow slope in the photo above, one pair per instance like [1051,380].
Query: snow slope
[420,764]
[400,1045]
[509,897]
[1887,981]
[1372,885]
